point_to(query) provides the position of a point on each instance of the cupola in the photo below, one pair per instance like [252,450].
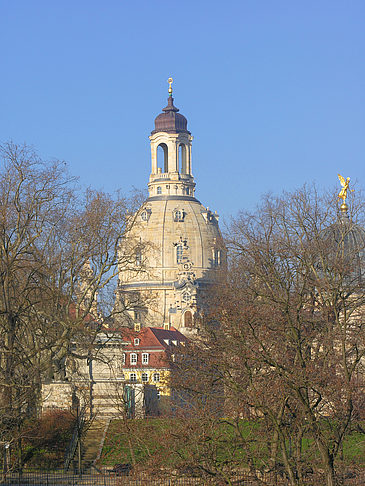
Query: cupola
[171,142]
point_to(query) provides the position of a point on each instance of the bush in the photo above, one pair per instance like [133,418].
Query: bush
[46,439]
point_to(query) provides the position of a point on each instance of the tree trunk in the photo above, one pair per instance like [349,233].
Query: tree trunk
[275,438]
[327,463]
[287,465]
[298,453]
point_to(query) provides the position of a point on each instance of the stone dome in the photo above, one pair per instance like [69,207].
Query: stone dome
[182,249]
[348,237]
[170,120]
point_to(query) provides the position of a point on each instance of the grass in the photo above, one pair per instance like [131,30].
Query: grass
[120,440]
[171,442]
[354,449]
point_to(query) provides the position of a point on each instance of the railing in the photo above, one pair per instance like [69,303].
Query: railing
[75,440]
[108,478]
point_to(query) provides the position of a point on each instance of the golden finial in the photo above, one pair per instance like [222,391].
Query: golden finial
[343,193]
[170,80]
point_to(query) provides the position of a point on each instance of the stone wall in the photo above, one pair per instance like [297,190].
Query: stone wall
[101,399]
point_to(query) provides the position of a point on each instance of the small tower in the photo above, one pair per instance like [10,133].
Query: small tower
[174,176]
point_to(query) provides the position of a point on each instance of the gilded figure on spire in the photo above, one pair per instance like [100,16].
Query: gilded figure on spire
[345,187]
[170,80]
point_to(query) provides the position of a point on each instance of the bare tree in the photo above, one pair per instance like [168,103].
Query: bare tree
[289,347]
[59,260]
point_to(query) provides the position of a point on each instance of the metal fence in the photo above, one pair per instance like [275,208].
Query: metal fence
[107,478]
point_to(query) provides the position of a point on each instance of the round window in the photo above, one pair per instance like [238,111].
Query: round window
[186,296]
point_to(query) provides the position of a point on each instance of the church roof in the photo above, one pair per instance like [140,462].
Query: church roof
[170,120]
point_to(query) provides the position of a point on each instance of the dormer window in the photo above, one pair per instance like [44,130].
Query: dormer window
[145,214]
[178,215]
[136,341]
[209,216]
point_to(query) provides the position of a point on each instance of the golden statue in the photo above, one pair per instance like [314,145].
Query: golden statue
[345,187]
[170,80]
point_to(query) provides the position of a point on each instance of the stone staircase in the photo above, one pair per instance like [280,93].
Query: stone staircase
[93,441]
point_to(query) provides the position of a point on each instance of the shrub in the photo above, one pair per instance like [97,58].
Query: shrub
[47,438]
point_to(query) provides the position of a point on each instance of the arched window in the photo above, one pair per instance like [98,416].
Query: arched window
[217,257]
[179,253]
[162,158]
[159,190]
[182,159]
[188,319]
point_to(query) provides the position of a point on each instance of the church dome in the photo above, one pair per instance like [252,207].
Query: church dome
[348,239]
[170,120]
[179,250]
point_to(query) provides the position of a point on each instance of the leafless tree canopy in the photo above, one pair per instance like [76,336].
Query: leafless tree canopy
[59,253]
[284,343]
[280,355]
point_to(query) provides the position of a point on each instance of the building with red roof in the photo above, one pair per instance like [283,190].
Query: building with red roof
[127,370]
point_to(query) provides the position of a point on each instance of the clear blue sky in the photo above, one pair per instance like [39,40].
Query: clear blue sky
[273,90]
